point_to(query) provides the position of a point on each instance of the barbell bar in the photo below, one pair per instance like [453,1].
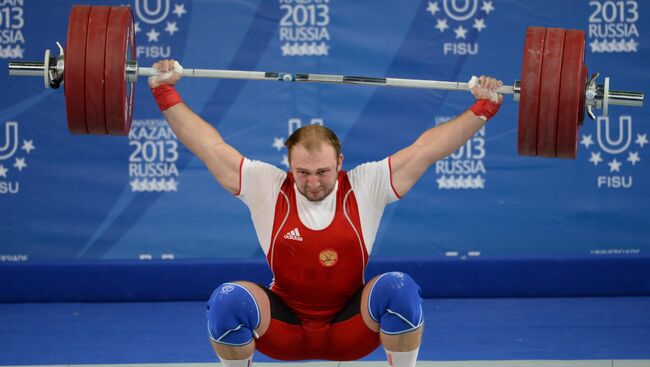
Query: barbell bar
[36,68]
[553,93]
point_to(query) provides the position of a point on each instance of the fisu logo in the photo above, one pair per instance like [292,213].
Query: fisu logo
[619,149]
[457,17]
[9,151]
[151,13]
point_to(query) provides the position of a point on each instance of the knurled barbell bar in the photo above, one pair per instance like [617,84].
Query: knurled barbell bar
[98,70]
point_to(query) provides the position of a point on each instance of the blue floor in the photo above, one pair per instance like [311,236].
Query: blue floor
[456,329]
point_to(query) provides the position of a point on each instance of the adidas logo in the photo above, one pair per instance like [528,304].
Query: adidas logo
[293,235]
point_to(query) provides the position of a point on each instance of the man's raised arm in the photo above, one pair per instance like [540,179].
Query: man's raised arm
[195,133]
[410,163]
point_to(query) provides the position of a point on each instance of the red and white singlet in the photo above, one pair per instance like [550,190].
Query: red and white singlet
[317,251]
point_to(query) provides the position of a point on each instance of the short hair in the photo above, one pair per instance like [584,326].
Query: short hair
[312,138]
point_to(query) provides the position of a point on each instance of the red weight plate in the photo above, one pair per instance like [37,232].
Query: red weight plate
[583,96]
[120,46]
[570,89]
[95,53]
[529,97]
[550,92]
[75,68]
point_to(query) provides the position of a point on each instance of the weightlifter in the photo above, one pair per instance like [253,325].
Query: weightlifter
[316,225]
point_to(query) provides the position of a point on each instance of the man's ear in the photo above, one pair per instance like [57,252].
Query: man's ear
[340,162]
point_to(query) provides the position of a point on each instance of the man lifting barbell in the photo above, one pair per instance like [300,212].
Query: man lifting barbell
[316,225]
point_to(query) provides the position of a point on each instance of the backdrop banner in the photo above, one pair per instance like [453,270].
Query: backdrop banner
[146,197]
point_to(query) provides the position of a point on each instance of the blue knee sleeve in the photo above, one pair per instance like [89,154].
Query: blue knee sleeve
[395,303]
[233,315]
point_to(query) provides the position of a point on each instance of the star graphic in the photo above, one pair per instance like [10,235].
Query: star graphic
[604,46]
[456,182]
[285,161]
[28,146]
[449,182]
[441,24]
[278,143]
[20,163]
[145,185]
[594,46]
[171,28]
[162,185]
[286,49]
[641,139]
[468,182]
[614,165]
[18,52]
[631,45]
[323,49]
[479,24]
[152,35]
[633,157]
[137,27]
[622,45]
[595,158]
[155,185]
[3,171]
[479,182]
[442,182]
[172,185]
[613,45]
[487,7]
[587,141]
[135,186]
[179,10]
[461,32]
[433,8]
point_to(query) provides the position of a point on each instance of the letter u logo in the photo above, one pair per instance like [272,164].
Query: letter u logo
[460,13]
[624,134]
[294,124]
[11,140]
[149,14]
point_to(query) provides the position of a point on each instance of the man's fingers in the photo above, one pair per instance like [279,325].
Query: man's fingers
[490,83]
[485,87]
[166,73]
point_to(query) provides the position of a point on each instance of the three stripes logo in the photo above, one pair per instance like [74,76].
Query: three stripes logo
[293,235]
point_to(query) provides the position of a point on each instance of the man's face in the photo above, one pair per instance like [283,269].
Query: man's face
[315,172]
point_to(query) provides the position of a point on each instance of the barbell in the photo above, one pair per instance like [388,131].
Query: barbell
[98,69]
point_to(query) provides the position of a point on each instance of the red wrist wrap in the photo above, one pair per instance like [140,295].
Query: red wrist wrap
[485,108]
[166,96]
